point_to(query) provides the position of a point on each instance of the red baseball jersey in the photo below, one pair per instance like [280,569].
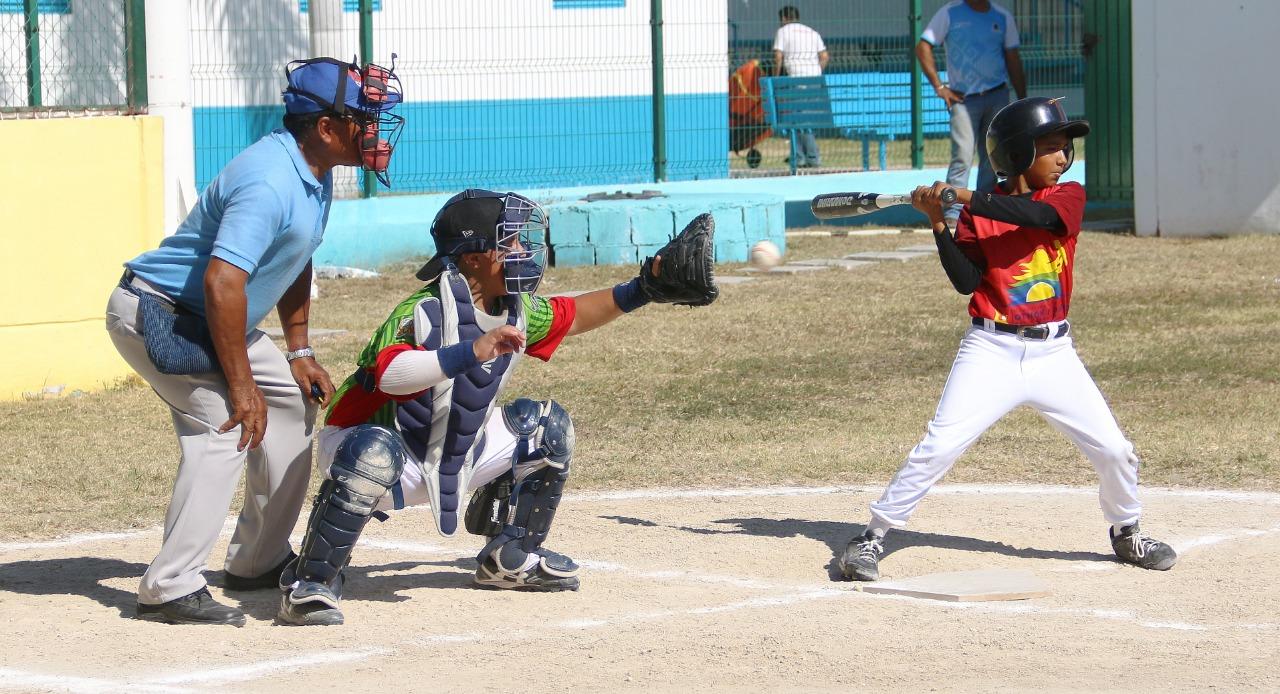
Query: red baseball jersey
[1028,276]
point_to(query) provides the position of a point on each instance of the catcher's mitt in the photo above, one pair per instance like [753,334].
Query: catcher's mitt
[686,275]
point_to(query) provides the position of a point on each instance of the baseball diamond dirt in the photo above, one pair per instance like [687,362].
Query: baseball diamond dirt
[713,590]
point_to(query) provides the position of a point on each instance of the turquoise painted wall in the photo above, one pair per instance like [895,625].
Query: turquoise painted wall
[370,233]
[513,144]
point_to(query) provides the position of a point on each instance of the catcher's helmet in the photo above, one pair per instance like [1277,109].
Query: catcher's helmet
[1011,139]
[478,220]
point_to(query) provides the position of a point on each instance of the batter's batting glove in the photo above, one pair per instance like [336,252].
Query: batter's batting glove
[686,275]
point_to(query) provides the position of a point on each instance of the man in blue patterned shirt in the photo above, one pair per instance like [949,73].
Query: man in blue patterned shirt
[981,39]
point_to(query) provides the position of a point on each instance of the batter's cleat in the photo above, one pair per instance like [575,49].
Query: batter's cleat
[309,604]
[197,608]
[552,573]
[861,558]
[1132,547]
[270,579]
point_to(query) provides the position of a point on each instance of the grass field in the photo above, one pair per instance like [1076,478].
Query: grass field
[823,378]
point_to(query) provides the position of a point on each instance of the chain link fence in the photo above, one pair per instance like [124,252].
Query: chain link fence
[530,93]
[71,56]
[871,44]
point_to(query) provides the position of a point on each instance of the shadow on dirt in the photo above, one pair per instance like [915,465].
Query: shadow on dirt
[836,535]
[378,583]
[74,576]
[85,576]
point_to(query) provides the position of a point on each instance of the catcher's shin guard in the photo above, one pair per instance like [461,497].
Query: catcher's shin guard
[487,510]
[515,558]
[367,464]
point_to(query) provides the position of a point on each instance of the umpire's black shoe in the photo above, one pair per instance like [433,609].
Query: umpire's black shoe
[861,558]
[270,579]
[196,608]
[1132,547]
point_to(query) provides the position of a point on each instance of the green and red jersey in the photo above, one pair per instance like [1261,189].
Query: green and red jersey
[547,323]
[1028,277]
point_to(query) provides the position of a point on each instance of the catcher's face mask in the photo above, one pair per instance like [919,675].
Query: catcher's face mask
[521,241]
[366,95]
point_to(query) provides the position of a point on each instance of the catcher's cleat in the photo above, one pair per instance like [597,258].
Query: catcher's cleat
[553,572]
[269,579]
[861,558]
[309,604]
[197,608]
[1132,547]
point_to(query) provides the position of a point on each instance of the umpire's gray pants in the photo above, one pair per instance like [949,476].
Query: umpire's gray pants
[278,473]
[969,123]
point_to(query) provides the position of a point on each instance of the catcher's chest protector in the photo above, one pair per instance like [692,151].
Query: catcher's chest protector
[442,426]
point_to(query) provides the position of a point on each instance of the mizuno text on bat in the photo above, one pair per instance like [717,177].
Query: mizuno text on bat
[837,205]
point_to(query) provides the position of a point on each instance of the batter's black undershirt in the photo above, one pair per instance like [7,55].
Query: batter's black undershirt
[966,273]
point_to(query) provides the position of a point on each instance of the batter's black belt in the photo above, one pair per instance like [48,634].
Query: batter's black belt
[984,92]
[1026,332]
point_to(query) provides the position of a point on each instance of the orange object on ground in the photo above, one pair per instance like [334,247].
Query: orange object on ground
[746,109]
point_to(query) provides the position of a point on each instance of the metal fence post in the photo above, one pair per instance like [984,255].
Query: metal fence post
[31,31]
[136,52]
[659,94]
[917,105]
[369,185]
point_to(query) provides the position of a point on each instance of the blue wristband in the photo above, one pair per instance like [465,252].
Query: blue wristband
[628,296]
[456,359]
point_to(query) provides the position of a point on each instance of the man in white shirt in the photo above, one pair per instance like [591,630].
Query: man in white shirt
[799,50]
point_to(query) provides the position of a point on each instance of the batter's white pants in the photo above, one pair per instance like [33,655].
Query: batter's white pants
[499,444]
[994,373]
[275,480]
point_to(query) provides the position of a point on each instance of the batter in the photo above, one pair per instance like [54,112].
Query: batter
[1014,252]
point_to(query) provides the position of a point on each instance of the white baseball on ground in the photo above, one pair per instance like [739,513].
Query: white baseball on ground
[765,254]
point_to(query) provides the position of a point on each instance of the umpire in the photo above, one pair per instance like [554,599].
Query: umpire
[184,316]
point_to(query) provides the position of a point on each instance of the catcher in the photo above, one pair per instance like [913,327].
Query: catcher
[417,423]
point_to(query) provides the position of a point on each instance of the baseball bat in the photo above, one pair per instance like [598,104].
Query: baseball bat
[837,205]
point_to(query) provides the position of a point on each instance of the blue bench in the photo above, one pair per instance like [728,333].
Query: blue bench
[862,106]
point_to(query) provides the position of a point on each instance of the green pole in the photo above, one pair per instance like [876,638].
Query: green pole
[369,186]
[917,105]
[659,94]
[136,23]
[31,30]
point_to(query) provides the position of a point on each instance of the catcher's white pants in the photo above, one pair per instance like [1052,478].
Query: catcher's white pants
[499,444]
[992,374]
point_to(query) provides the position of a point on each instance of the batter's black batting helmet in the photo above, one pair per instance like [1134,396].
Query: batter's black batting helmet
[1011,139]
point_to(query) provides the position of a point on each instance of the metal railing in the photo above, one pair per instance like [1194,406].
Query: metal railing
[69,56]
[524,94]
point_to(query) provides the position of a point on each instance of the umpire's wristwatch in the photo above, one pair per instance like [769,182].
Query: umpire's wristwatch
[300,353]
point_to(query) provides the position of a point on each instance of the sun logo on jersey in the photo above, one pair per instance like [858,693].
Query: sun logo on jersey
[1039,280]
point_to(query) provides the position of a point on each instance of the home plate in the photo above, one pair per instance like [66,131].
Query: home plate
[966,586]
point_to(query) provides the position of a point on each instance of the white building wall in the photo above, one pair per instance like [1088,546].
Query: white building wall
[468,51]
[1206,151]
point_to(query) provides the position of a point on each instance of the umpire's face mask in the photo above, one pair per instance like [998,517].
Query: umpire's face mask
[522,243]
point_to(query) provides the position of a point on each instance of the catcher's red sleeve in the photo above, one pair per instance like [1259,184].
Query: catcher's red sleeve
[564,310]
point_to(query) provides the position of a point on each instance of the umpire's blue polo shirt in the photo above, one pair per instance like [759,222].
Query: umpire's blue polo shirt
[265,213]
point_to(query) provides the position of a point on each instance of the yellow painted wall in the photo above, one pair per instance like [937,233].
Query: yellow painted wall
[78,197]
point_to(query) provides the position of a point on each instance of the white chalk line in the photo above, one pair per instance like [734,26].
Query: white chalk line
[676,493]
[786,595]
[240,673]
[17,679]
[165,683]
[26,681]
[790,593]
